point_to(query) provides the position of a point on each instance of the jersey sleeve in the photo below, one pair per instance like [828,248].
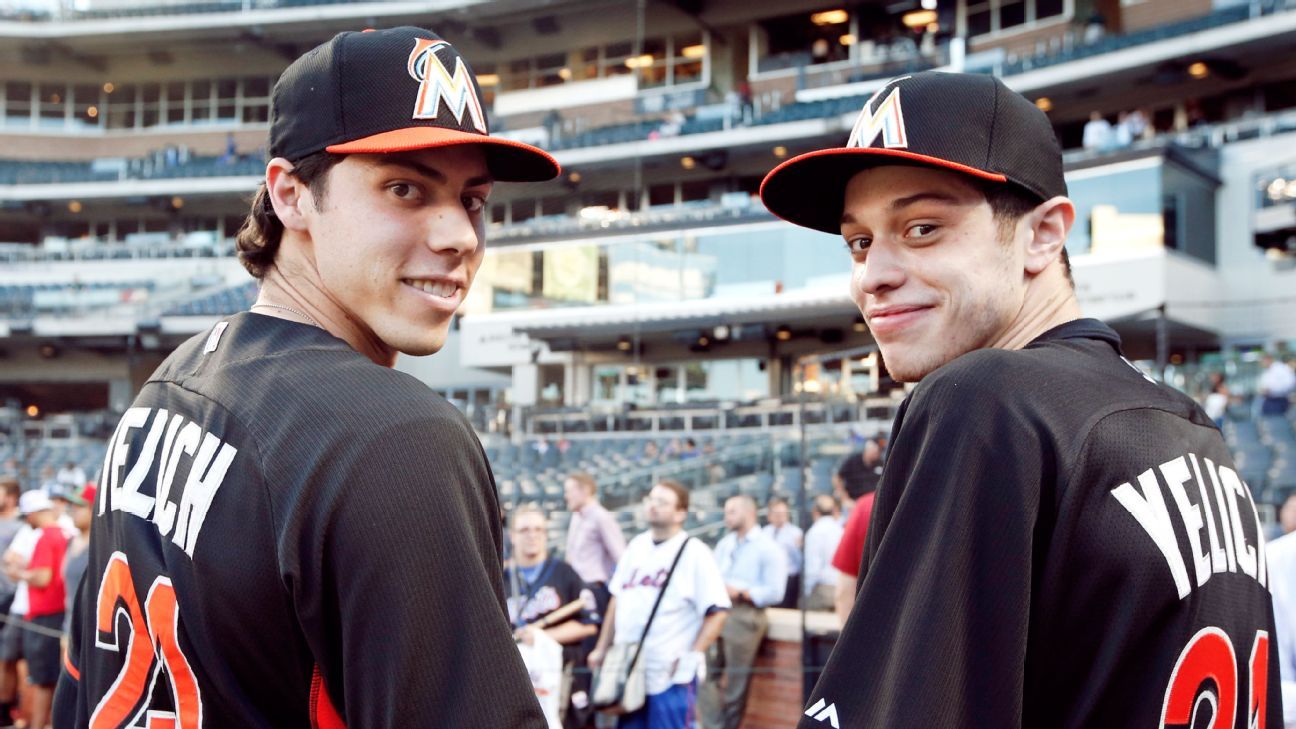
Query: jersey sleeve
[392,559]
[850,550]
[937,636]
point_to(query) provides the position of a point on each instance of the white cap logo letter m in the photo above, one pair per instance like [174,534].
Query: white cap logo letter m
[437,84]
[887,120]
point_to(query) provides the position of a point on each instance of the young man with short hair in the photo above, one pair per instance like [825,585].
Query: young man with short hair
[594,539]
[691,616]
[306,527]
[1057,539]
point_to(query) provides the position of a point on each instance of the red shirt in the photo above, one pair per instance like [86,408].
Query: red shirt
[850,550]
[49,552]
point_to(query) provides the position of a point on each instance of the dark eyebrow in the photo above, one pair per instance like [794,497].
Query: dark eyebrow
[901,203]
[429,172]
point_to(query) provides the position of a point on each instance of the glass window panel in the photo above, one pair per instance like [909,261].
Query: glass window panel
[227,88]
[1012,14]
[695,190]
[688,72]
[619,51]
[652,76]
[256,114]
[978,22]
[256,87]
[552,61]
[19,92]
[663,194]
[1048,8]
[655,47]
[522,210]
[553,206]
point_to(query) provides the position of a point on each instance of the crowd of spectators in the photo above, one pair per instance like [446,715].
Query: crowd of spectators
[44,536]
[700,645]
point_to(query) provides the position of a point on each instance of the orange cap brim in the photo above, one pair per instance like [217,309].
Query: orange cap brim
[810,189]
[507,160]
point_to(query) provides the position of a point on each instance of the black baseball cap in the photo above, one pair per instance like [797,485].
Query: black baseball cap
[968,123]
[393,90]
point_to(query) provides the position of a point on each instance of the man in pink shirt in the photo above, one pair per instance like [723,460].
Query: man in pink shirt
[594,539]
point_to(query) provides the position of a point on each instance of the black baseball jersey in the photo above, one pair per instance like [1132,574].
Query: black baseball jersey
[287,533]
[1057,541]
[554,585]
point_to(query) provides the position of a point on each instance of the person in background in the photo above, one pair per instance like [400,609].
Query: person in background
[78,553]
[789,536]
[755,575]
[47,600]
[1217,400]
[692,612]
[1277,381]
[545,594]
[820,586]
[1282,585]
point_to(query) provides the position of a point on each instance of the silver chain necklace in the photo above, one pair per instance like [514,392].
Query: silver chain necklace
[302,314]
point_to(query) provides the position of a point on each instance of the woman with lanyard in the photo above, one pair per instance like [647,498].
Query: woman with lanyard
[545,594]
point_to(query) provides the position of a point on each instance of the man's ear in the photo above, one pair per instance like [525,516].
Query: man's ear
[1049,224]
[288,195]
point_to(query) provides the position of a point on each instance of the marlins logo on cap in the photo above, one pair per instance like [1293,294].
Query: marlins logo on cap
[437,84]
[887,119]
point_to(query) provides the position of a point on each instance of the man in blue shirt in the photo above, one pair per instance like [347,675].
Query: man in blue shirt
[755,574]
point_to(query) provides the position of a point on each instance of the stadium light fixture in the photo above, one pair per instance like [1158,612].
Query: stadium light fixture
[177,202]
[109,87]
[847,39]
[859,325]
[574,178]
[1198,70]
[687,162]
[624,344]
[565,74]
[704,341]
[721,333]
[488,79]
[74,206]
[32,411]
[92,112]
[918,18]
[830,17]
[1045,104]
[783,333]
[696,51]
[642,61]
[780,151]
